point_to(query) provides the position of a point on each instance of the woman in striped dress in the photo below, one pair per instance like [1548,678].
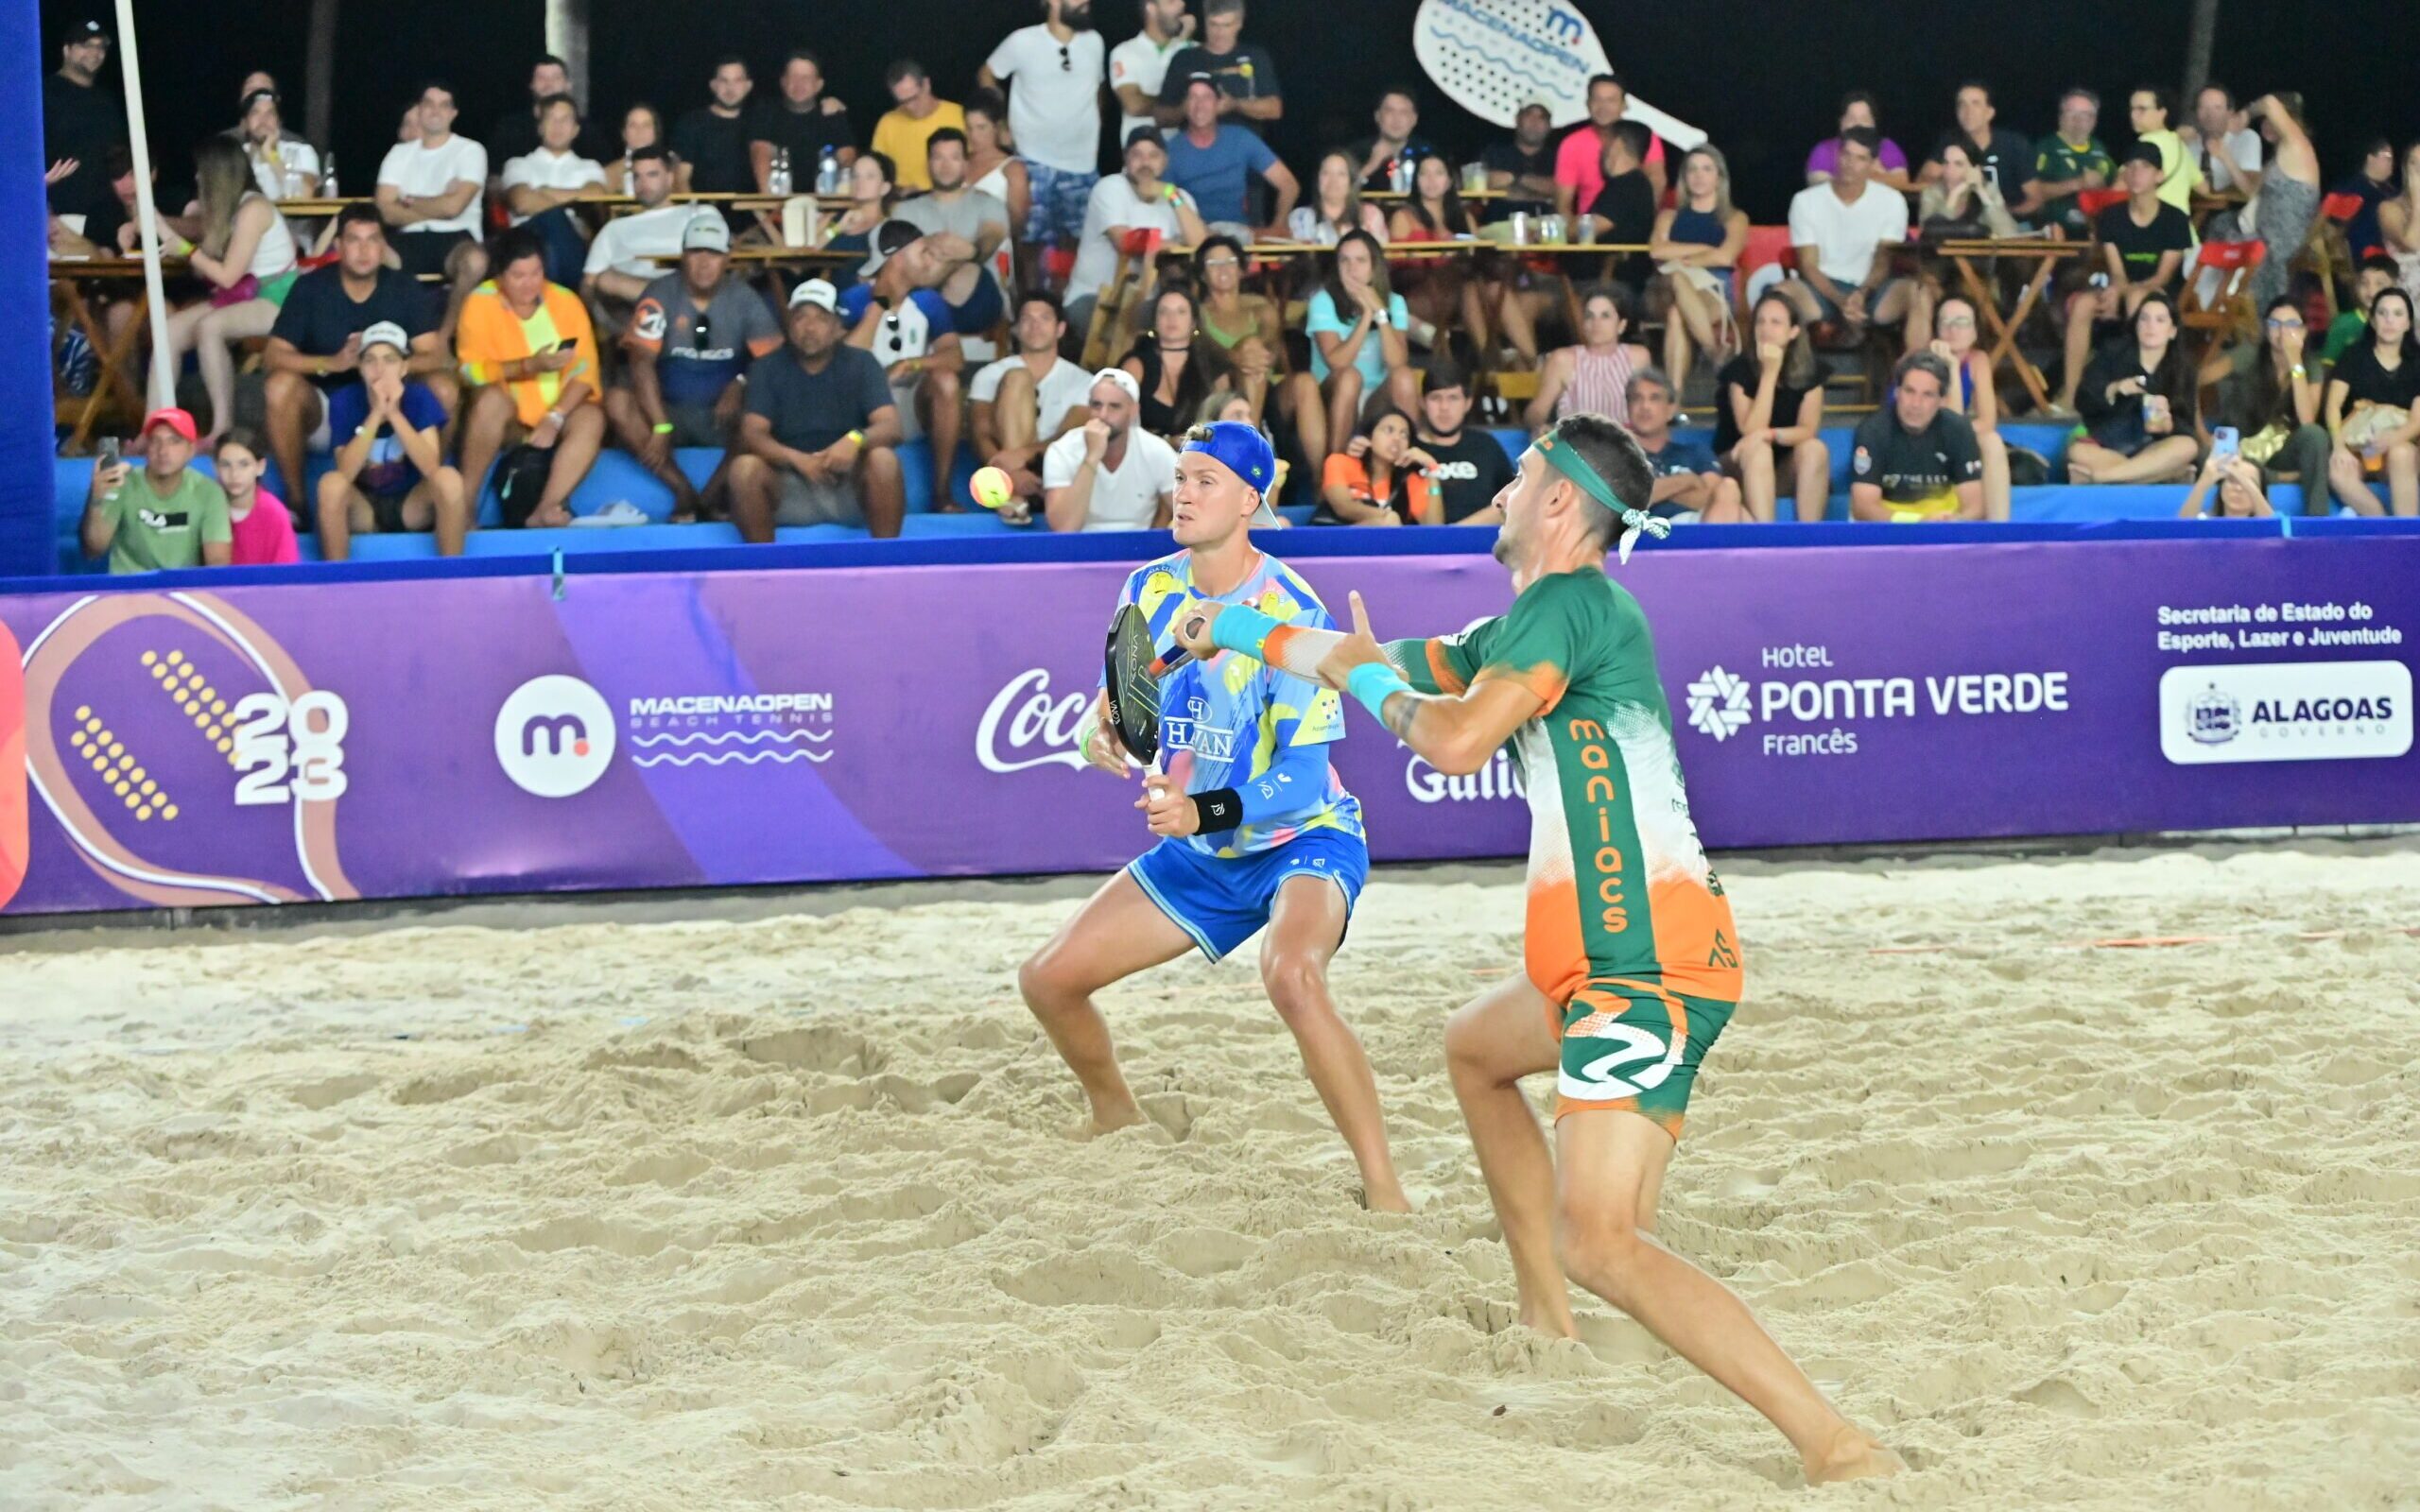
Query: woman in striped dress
[1592,378]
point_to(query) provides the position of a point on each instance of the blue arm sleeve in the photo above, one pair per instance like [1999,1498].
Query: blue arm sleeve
[1298,777]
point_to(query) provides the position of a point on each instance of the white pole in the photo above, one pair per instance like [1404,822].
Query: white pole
[568,38]
[163,382]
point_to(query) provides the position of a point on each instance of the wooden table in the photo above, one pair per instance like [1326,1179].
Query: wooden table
[2044,253]
[69,280]
[624,204]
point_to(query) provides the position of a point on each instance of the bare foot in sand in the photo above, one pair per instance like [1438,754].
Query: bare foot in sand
[1109,1121]
[1388,1198]
[1852,1456]
[1551,1320]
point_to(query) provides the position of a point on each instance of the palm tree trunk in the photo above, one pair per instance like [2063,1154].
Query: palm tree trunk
[2196,52]
[318,75]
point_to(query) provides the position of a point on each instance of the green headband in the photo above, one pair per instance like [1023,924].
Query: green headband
[1565,459]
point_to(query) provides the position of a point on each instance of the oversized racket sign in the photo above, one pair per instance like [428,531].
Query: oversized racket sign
[14,842]
[1493,56]
[229,800]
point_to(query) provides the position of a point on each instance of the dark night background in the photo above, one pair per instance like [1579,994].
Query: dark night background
[1761,77]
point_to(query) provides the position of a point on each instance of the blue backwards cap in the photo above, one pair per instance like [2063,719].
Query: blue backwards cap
[1241,447]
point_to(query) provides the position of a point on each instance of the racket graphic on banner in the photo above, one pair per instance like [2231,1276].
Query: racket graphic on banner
[182,752]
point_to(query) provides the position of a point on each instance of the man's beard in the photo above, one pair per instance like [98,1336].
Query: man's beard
[1080,17]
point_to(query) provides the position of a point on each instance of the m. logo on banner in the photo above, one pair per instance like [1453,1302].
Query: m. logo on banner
[554,736]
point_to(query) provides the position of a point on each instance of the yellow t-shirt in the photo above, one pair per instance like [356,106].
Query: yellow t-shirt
[901,138]
[2179,175]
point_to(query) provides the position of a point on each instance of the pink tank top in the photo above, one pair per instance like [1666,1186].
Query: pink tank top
[1600,385]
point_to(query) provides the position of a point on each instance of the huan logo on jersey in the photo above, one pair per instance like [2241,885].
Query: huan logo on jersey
[1719,704]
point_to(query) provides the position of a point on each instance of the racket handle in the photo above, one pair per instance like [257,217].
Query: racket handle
[1161,666]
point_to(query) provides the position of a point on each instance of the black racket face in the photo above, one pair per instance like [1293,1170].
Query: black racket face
[1133,692]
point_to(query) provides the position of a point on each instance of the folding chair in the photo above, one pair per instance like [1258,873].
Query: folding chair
[1134,269]
[1768,247]
[2230,308]
[2330,253]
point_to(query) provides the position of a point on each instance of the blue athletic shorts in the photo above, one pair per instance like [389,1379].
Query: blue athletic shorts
[1223,904]
[1059,198]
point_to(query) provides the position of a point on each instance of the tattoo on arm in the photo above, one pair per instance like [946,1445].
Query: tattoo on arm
[1399,712]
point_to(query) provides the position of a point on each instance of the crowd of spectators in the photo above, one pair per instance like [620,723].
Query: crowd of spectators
[498,311]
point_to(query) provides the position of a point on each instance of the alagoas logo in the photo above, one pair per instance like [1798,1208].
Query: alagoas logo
[2285,711]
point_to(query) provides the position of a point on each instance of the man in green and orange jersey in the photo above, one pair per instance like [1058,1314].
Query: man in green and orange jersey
[1632,963]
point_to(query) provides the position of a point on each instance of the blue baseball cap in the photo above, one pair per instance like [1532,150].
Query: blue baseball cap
[1243,450]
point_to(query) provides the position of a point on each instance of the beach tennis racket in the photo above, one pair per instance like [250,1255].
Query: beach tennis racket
[1133,668]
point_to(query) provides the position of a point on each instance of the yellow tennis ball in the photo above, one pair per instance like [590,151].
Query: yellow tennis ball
[992,488]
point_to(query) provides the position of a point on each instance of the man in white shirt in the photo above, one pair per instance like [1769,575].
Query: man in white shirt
[1139,66]
[630,251]
[429,193]
[1054,114]
[1112,475]
[1020,404]
[540,186]
[1138,200]
[2229,158]
[1844,232]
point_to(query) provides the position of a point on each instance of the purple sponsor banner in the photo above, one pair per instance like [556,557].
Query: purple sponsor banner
[304,741]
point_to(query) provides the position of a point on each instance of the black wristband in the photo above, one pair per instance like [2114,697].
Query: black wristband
[1217,810]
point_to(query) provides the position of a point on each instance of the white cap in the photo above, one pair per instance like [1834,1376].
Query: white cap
[387,333]
[706,231]
[1122,379]
[817,292]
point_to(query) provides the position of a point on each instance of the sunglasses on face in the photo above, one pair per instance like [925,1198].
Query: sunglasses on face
[2286,325]
[1219,262]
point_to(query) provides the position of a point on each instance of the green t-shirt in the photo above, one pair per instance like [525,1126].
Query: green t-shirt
[2058,161]
[1618,885]
[2342,331]
[155,531]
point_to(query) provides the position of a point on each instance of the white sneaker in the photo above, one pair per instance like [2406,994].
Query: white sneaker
[619,512]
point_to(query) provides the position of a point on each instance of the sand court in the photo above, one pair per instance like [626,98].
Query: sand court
[781,1212]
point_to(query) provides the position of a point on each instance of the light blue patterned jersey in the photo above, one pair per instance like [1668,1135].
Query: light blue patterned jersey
[1232,722]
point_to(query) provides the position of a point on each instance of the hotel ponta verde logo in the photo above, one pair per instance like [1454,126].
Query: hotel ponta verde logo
[554,736]
[12,770]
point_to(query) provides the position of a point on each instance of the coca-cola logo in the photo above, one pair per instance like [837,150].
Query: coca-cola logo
[1026,727]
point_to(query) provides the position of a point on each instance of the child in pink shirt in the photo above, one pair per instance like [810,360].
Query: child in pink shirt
[264,529]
